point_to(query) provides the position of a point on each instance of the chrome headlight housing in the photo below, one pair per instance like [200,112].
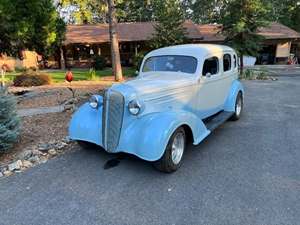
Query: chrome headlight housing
[95,102]
[134,107]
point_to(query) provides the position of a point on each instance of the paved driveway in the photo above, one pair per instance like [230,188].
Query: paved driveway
[246,172]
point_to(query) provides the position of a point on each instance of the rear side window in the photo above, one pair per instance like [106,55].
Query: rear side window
[227,62]
[211,66]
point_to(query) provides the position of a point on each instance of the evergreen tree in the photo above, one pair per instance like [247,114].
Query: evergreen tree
[241,21]
[9,121]
[169,18]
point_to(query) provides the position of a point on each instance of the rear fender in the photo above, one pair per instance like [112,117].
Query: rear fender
[236,87]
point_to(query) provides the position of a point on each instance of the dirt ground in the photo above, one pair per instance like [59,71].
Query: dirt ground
[53,95]
[51,127]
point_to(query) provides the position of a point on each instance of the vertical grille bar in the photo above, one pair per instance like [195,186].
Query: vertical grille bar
[104,116]
[113,111]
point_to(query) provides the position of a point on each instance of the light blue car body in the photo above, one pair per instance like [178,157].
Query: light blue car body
[168,100]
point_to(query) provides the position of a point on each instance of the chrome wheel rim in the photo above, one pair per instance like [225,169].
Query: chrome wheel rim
[177,148]
[238,109]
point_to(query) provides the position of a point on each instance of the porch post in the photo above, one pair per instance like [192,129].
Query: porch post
[135,49]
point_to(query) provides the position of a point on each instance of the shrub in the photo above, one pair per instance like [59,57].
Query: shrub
[137,60]
[32,78]
[251,74]
[99,62]
[92,74]
[9,121]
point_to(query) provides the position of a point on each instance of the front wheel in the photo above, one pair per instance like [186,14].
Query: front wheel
[239,104]
[172,158]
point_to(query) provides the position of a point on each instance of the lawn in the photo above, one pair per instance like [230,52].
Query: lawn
[79,74]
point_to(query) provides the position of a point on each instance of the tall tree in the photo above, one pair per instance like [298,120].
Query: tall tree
[241,21]
[83,11]
[207,11]
[115,52]
[286,12]
[94,11]
[135,11]
[29,24]
[169,18]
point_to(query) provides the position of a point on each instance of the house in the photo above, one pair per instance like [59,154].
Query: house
[84,41]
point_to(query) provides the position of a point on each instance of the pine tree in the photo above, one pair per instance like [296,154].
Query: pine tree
[169,18]
[9,121]
[241,21]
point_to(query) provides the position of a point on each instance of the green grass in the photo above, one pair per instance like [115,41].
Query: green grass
[79,74]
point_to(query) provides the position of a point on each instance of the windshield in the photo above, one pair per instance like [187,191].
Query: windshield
[171,63]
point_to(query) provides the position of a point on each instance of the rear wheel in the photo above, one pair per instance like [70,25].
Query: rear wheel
[172,158]
[239,104]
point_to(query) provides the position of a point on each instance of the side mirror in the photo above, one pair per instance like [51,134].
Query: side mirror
[136,72]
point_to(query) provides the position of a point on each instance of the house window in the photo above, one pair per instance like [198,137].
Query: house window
[227,62]
[211,66]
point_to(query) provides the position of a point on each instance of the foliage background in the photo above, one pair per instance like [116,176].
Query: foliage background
[29,24]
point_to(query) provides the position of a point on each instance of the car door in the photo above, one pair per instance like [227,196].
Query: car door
[214,83]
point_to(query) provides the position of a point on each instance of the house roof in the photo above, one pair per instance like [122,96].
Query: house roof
[142,31]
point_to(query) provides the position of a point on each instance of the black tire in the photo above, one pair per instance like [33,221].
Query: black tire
[237,113]
[166,163]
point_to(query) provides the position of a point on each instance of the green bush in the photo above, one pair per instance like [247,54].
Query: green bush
[9,121]
[32,78]
[137,60]
[92,74]
[251,74]
[99,62]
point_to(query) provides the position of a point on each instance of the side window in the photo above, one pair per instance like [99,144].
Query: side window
[227,62]
[211,66]
[234,61]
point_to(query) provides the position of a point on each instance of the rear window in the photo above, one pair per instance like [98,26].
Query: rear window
[171,63]
[227,62]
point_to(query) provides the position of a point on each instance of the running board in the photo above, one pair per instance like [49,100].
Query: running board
[217,120]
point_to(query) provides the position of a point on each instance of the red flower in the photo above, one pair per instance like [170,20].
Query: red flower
[69,76]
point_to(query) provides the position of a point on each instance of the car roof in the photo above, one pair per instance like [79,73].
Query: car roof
[196,50]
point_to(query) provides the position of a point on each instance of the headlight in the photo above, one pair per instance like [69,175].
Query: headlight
[94,102]
[134,107]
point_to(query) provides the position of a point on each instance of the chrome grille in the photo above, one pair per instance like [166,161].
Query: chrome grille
[113,110]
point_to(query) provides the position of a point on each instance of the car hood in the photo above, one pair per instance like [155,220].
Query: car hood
[150,86]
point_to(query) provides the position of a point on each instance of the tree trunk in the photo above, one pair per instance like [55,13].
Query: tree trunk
[114,43]
[62,59]
[242,65]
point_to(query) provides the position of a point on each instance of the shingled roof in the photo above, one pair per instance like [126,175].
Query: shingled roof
[142,31]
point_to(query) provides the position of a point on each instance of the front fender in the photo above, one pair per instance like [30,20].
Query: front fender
[236,87]
[148,136]
[86,125]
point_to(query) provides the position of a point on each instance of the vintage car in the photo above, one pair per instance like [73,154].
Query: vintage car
[181,92]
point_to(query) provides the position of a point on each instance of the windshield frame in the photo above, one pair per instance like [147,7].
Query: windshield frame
[169,55]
